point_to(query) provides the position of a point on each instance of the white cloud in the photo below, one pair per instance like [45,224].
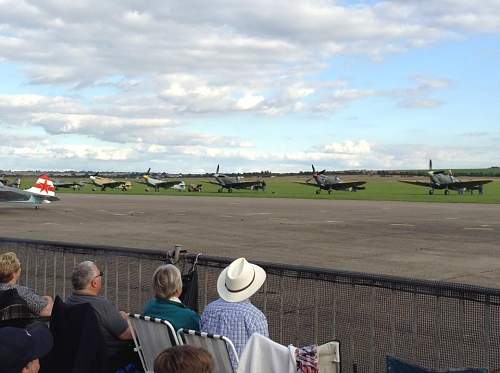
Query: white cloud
[249,101]
[170,64]
[349,147]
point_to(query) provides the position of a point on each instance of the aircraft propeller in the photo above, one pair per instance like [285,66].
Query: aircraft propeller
[322,172]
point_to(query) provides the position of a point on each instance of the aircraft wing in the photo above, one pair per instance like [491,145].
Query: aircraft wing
[419,183]
[246,184]
[469,184]
[168,183]
[211,182]
[308,184]
[9,196]
[51,198]
[347,184]
[112,184]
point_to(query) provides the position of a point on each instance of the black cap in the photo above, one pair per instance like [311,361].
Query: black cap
[20,346]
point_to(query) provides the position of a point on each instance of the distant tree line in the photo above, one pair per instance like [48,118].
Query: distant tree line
[481,172]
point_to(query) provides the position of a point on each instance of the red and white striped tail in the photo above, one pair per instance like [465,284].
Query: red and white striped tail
[43,186]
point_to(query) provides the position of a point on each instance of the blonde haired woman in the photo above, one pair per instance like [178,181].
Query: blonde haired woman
[10,272]
[166,305]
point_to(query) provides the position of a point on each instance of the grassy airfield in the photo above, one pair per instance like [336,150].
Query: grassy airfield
[377,189]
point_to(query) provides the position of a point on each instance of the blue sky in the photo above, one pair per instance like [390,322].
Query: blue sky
[250,85]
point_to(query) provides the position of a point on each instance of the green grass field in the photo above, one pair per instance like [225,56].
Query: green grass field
[377,189]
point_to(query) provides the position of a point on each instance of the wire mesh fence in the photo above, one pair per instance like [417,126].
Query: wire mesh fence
[434,324]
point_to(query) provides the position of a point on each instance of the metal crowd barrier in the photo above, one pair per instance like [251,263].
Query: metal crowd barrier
[434,324]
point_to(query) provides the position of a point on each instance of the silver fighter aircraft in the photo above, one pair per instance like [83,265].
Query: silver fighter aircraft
[162,183]
[235,182]
[331,183]
[446,180]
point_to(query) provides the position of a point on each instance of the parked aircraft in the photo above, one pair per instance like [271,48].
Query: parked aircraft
[15,184]
[238,182]
[331,183]
[104,182]
[75,185]
[41,192]
[442,180]
[162,183]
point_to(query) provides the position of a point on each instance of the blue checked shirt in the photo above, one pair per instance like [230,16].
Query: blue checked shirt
[234,320]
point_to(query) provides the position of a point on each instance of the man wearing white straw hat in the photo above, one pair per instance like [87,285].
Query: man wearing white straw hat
[232,315]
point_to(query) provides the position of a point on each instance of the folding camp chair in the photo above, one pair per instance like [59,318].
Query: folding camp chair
[151,336]
[15,312]
[329,357]
[220,347]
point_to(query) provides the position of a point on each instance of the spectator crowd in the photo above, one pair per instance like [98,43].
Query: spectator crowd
[27,348]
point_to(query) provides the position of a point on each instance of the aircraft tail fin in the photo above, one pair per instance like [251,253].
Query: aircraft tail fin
[430,164]
[43,187]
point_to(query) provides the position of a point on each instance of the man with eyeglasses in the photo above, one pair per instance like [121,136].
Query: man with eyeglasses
[87,281]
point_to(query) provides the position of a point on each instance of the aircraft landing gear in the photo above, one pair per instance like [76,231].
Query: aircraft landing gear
[318,191]
[219,190]
[480,189]
[446,192]
[329,191]
[431,192]
[230,190]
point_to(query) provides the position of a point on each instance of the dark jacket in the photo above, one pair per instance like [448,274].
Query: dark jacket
[78,342]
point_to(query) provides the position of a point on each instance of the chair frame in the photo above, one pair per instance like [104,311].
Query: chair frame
[138,345]
[228,343]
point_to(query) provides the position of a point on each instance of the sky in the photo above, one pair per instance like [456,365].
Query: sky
[181,86]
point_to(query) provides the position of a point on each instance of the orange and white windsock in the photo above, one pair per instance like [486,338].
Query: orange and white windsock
[43,186]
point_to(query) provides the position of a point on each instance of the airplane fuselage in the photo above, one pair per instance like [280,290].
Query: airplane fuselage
[14,195]
[238,182]
[449,182]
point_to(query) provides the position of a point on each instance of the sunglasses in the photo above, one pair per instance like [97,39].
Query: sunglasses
[101,274]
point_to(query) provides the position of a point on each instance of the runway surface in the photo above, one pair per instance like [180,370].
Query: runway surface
[451,242]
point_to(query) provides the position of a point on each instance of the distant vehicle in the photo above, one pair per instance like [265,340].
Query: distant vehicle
[42,192]
[162,183]
[237,182]
[446,180]
[75,185]
[104,182]
[181,187]
[331,183]
[195,188]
